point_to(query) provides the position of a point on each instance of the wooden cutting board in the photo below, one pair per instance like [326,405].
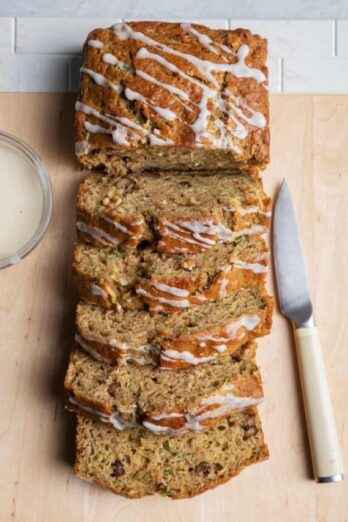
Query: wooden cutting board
[37,299]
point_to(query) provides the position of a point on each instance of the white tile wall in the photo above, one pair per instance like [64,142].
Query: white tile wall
[56,35]
[222,9]
[6,35]
[33,73]
[294,38]
[342,38]
[42,54]
[316,75]
[275,74]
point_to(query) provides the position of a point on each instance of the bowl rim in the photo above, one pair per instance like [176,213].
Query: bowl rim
[25,150]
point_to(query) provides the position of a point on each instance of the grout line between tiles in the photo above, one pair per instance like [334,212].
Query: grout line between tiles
[281,74]
[335,42]
[13,22]
[15,29]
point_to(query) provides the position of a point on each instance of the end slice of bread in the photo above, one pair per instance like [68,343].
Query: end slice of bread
[135,463]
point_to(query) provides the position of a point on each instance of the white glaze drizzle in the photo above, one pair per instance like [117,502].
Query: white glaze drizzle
[239,69]
[225,404]
[97,233]
[200,124]
[122,126]
[116,225]
[250,231]
[93,128]
[223,288]
[113,60]
[80,341]
[257,268]
[146,348]
[81,147]
[97,290]
[167,114]
[249,322]
[208,227]
[123,349]
[250,210]
[178,292]
[224,48]
[115,419]
[203,39]
[261,257]
[184,303]
[166,86]
[257,119]
[188,357]
[102,80]
[97,44]
[170,231]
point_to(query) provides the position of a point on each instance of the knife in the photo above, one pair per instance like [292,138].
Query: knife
[296,305]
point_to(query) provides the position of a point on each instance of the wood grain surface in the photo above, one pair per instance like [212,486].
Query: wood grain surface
[37,299]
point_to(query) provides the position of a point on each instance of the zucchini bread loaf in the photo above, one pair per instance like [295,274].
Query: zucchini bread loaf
[163,402]
[127,278]
[159,95]
[136,462]
[176,341]
[185,213]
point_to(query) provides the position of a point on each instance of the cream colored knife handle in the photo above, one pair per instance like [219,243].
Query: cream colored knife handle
[326,455]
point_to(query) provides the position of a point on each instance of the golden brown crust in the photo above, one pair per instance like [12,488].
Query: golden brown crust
[173,44]
[184,350]
[226,281]
[208,343]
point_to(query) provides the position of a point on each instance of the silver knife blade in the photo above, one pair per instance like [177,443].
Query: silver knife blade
[292,282]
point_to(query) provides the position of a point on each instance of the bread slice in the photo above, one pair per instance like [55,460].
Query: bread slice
[163,402]
[179,213]
[157,95]
[136,462]
[176,341]
[107,276]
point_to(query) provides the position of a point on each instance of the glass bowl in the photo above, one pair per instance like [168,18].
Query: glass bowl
[26,152]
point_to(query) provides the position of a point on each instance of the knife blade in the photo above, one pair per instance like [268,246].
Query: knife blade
[296,304]
[292,282]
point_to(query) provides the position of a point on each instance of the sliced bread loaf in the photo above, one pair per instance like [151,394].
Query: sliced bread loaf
[163,402]
[107,276]
[136,462]
[179,212]
[176,341]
